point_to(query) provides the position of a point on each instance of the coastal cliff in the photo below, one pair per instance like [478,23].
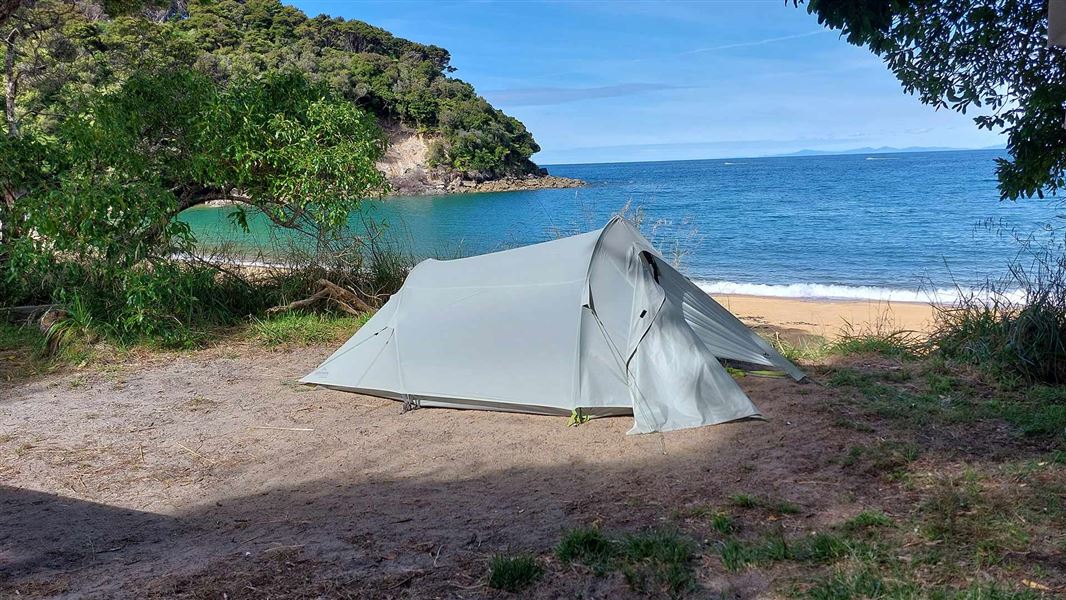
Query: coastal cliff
[408,167]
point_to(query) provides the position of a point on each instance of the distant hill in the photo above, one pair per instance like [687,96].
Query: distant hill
[884,150]
[442,132]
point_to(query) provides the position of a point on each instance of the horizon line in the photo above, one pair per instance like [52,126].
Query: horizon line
[817,154]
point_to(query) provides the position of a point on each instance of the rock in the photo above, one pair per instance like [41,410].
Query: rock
[405,164]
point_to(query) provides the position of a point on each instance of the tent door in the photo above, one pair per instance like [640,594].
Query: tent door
[648,297]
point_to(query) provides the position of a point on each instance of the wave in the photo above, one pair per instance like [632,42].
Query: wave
[882,158]
[848,292]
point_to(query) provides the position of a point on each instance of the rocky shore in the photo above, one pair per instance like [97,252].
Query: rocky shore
[427,187]
[405,164]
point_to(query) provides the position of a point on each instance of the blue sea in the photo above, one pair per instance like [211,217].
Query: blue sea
[908,226]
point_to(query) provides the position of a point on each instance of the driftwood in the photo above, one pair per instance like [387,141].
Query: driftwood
[26,314]
[330,292]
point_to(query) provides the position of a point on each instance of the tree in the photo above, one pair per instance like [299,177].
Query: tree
[988,56]
[165,142]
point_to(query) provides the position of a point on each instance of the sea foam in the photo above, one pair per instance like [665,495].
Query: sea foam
[848,292]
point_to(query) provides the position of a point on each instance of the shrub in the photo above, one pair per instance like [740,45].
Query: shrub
[514,573]
[1014,330]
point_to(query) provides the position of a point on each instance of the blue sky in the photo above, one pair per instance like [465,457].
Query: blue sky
[630,81]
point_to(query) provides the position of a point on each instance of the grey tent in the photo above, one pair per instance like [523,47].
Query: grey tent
[598,323]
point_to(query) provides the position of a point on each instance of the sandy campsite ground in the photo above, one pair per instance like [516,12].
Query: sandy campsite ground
[213,472]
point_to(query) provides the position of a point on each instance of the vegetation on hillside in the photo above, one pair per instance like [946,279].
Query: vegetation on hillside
[65,50]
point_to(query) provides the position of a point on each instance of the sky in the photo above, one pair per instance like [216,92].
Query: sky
[617,81]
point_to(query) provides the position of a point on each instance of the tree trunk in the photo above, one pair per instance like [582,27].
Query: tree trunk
[12,84]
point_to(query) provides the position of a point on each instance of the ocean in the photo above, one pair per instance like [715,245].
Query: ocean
[902,227]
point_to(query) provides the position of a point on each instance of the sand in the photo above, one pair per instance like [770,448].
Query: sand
[214,472]
[191,468]
[829,318]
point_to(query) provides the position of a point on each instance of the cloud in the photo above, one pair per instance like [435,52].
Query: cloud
[755,42]
[557,95]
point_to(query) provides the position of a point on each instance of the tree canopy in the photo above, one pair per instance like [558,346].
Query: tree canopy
[399,81]
[989,57]
[112,181]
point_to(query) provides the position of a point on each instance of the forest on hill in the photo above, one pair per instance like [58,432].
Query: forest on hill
[67,51]
[122,114]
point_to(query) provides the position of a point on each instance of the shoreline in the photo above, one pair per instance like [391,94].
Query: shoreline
[829,318]
[800,317]
[457,186]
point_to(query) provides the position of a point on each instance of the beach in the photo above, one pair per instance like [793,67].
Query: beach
[828,319]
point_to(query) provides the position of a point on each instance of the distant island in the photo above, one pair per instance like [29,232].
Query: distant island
[884,150]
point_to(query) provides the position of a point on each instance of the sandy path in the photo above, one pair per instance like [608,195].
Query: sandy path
[161,470]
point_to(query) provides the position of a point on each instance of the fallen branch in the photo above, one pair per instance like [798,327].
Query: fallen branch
[346,300]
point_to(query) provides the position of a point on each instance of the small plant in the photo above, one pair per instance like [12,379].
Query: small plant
[720,521]
[743,501]
[514,573]
[888,457]
[661,559]
[867,519]
[775,506]
[587,545]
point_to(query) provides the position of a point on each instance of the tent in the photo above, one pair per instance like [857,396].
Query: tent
[591,325]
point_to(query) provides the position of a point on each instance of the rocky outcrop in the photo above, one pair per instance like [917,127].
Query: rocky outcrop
[405,164]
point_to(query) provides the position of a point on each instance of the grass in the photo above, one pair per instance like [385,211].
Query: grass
[867,519]
[514,573]
[902,345]
[653,561]
[305,329]
[817,548]
[767,503]
[887,457]
[25,351]
[864,583]
[915,399]
[719,520]
[588,546]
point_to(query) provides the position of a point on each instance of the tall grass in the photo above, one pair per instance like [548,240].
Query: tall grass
[1013,329]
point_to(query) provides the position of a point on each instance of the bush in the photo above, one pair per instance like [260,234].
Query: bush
[514,573]
[1013,330]
[176,303]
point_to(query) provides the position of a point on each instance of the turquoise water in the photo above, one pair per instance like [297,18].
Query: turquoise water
[891,226]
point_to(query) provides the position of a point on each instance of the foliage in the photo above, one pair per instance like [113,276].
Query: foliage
[514,573]
[305,329]
[650,560]
[990,56]
[771,505]
[397,80]
[102,197]
[163,142]
[1012,339]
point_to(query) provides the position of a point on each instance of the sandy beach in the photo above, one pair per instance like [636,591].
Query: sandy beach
[828,318]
